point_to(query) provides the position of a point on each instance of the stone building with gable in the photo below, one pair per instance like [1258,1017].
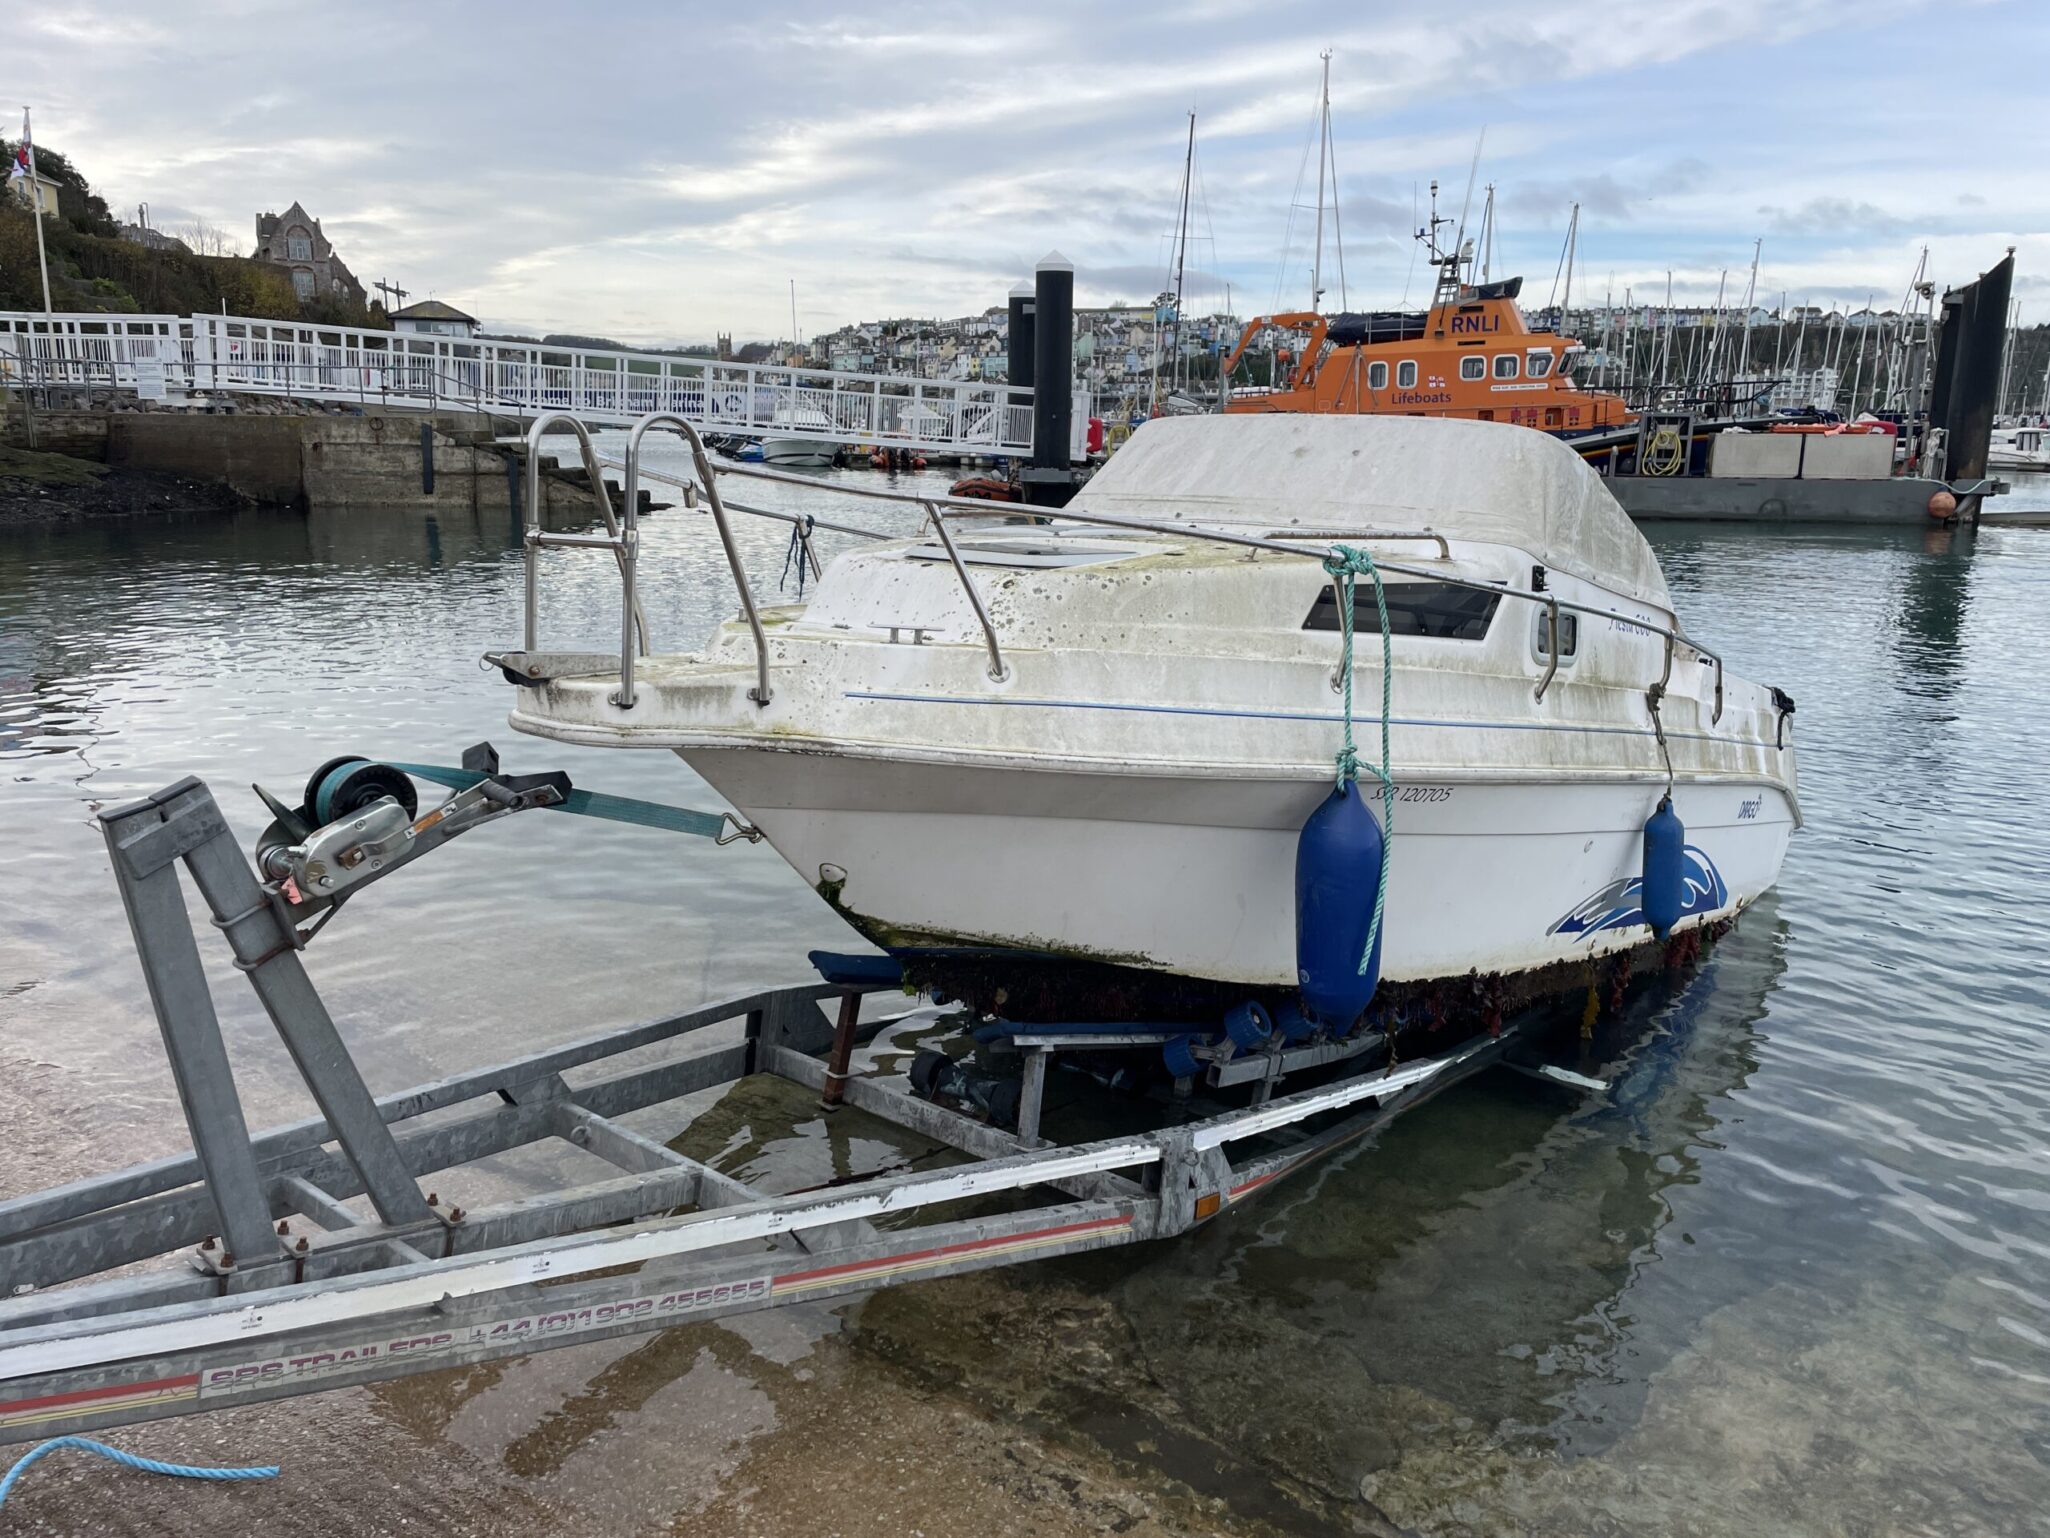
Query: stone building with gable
[293,240]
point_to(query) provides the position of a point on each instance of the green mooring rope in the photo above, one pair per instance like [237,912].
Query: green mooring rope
[1346,563]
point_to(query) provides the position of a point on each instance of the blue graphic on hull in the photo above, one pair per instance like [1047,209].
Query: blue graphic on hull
[1617,905]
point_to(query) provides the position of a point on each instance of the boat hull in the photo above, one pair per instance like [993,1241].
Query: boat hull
[799,453]
[1194,876]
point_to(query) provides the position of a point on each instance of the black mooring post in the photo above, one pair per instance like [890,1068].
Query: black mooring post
[1051,480]
[1022,331]
[426,459]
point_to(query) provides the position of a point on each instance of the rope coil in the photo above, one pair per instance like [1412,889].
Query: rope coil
[1345,565]
[129,1461]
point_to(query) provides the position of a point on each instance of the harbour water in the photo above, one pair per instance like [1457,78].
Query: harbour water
[1788,1277]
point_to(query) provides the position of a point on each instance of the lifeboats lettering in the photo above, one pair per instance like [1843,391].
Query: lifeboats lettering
[1471,325]
[1421,398]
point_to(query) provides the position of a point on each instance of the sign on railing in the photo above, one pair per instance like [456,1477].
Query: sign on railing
[201,354]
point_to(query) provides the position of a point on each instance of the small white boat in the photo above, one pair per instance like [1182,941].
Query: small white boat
[2019,448]
[794,451]
[1102,748]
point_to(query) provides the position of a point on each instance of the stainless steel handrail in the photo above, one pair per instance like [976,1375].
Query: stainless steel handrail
[1552,652]
[997,671]
[935,509]
[624,543]
[1444,548]
[1672,634]
[761,693]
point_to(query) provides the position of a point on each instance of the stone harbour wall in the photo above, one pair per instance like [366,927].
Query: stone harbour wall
[319,459]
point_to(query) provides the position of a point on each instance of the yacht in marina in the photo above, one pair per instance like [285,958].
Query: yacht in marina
[1094,741]
[2019,448]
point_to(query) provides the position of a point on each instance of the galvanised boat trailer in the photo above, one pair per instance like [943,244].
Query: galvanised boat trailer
[267,1284]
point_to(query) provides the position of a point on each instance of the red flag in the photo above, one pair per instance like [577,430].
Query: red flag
[20,165]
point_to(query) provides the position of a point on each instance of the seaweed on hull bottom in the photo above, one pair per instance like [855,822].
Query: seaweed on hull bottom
[1051,989]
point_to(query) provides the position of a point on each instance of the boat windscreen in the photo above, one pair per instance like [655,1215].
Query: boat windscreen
[1438,609]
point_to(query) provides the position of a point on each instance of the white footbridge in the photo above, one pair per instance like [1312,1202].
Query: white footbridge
[195,358]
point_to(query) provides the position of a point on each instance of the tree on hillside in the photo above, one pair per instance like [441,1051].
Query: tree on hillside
[208,239]
[77,204]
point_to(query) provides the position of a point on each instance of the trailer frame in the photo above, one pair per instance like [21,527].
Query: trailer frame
[266,1283]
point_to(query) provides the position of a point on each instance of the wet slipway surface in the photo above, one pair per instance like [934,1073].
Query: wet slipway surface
[1792,1275]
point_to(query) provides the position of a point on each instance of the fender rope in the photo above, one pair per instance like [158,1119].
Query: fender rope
[129,1461]
[1346,564]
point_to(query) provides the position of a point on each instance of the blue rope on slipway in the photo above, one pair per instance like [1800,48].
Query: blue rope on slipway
[128,1460]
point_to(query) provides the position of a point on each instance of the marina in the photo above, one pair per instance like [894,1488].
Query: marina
[1278,910]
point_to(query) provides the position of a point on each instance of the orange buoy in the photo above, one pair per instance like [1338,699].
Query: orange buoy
[1942,505]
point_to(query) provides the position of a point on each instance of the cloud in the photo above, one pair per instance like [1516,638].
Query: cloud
[657,174]
[1833,216]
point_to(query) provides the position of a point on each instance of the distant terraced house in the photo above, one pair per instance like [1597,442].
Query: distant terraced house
[293,240]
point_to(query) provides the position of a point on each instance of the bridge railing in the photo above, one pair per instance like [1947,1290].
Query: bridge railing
[209,353]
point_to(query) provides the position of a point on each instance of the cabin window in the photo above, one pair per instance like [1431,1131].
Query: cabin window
[1569,635]
[1377,376]
[1507,365]
[1405,375]
[1443,610]
[1473,366]
[1540,365]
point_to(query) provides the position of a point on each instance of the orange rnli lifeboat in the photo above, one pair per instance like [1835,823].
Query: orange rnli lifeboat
[1469,355]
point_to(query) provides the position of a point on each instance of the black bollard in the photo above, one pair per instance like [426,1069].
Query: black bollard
[1051,480]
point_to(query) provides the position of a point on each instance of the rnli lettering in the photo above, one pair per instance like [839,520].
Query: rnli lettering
[1474,325]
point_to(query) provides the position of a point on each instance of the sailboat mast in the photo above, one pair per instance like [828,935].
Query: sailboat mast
[1750,295]
[1488,234]
[1323,155]
[1181,251]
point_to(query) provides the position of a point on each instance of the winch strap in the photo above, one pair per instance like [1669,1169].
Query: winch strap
[594,803]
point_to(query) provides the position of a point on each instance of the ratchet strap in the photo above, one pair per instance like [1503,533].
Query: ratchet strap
[720,827]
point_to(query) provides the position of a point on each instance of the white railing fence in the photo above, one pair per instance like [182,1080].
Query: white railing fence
[173,357]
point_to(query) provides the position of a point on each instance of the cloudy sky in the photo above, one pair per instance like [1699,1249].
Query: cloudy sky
[662,172]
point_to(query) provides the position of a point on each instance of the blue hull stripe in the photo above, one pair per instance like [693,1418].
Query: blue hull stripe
[1293,715]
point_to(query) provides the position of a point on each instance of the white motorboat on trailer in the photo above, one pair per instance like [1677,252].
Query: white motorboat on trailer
[1097,740]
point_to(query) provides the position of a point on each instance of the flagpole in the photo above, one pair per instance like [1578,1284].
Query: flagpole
[35,186]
